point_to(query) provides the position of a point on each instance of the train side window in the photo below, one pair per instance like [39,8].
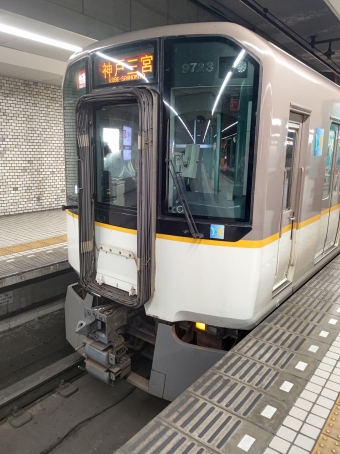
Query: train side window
[329,160]
[337,168]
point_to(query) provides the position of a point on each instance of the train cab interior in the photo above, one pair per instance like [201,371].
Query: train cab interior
[117,153]
[211,130]
[203,152]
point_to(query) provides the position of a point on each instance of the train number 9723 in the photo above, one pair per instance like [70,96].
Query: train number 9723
[198,67]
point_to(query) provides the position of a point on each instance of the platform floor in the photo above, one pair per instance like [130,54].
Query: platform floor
[276,392]
[29,242]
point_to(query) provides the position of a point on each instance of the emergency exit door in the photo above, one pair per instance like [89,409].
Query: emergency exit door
[117,162]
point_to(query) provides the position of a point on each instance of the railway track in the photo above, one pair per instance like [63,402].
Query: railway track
[31,388]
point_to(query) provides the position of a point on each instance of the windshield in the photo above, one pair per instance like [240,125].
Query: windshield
[211,88]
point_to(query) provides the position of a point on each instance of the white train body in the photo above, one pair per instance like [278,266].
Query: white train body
[235,284]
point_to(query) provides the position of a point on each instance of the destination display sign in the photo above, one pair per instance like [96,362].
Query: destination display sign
[115,66]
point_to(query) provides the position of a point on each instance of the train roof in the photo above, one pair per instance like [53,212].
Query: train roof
[202,28]
[259,47]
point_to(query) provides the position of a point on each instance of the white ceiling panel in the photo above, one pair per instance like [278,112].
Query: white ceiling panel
[17,72]
[31,60]
[26,60]
[57,81]
[40,28]
[41,49]
[26,66]
[6,38]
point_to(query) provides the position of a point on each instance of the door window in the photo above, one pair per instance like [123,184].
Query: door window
[337,161]
[290,149]
[291,144]
[328,164]
[117,154]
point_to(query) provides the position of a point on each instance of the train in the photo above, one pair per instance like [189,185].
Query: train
[202,183]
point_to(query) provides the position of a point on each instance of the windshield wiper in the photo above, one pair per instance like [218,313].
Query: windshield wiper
[187,213]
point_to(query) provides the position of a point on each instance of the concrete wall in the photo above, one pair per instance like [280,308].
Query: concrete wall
[35,293]
[31,147]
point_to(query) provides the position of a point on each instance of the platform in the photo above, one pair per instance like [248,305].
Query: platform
[33,260]
[32,245]
[277,391]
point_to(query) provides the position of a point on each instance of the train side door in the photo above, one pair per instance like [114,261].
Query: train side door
[289,203]
[329,221]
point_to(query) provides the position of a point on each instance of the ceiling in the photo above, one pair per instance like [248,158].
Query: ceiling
[22,58]
[296,19]
[284,22]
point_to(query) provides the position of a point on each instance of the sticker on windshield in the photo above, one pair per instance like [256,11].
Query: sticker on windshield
[217,231]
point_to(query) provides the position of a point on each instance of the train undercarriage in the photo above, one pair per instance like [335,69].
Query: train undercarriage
[109,335]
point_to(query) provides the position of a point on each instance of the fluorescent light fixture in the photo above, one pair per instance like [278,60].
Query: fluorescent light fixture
[206,130]
[230,126]
[120,62]
[238,60]
[176,113]
[233,124]
[232,135]
[226,80]
[41,39]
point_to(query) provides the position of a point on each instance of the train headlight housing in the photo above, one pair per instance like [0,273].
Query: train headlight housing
[200,326]
[208,329]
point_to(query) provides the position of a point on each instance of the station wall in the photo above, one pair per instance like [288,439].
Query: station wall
[31,147]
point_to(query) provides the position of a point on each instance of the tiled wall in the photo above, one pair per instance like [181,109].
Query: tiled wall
[32,168]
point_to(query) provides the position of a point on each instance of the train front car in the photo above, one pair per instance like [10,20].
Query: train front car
[183,206]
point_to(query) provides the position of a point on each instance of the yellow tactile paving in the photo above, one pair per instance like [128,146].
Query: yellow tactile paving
[32,245]
[329,439]
[326,445]
[332,426]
